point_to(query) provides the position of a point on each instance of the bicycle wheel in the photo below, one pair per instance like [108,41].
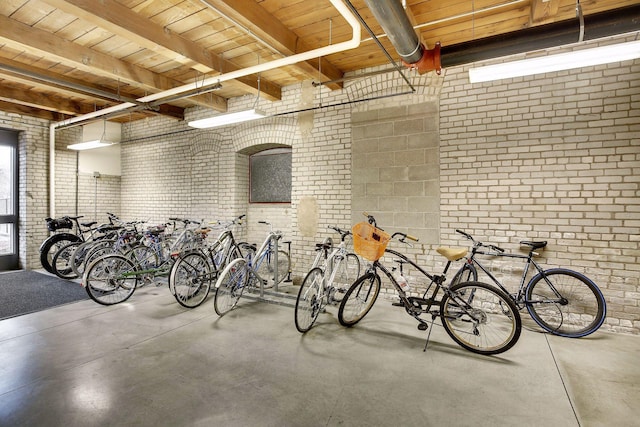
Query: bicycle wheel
[190,279]
[62,260]
[347,270]
[267,268]
[309,301]
[230,286]
[467,273]
[52,245]
[565,303]
[359,299]
[144,257]
[88,251]
[110,279]
[480,318]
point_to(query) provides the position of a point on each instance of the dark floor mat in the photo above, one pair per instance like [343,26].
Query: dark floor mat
[25,292]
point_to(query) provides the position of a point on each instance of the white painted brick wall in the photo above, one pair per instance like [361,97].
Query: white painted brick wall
[553,157]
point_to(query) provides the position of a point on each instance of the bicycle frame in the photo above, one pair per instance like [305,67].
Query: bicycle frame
[266,250]
[519,296]
[435,280]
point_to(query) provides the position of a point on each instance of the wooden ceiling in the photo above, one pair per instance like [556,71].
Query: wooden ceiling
[64,58]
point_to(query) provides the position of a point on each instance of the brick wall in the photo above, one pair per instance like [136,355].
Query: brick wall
[80,193]
[554,157]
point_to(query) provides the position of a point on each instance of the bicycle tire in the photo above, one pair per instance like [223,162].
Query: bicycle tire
[190,279]
[581,313]
[86,252]
[52,245]
[359,299]
[347,269]
[230,285]
[309,300]
[266,269]
[467,273]
[61,264]
[110,279]
[480,318]
[144,257]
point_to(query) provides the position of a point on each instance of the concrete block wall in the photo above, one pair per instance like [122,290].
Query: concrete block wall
[396,168]
[554,157]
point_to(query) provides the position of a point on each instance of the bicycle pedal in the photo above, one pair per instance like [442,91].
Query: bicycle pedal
[423,326]
[397,304]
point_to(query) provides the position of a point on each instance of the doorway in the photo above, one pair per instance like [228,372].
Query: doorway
[9,250]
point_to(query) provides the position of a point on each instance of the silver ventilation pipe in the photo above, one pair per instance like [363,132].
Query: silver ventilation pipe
[395,22]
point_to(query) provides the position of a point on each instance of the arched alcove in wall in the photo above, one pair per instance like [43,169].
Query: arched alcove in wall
[249,139]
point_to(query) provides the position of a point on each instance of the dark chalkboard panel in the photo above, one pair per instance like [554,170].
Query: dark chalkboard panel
[270,178]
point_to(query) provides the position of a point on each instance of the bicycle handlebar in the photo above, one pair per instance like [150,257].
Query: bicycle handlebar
[480,244]
[343,233]
[185,221]
[404,236]
[371,220]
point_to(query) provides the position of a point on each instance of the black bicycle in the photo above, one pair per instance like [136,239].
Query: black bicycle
[66,230]
[561,301]
[478,316]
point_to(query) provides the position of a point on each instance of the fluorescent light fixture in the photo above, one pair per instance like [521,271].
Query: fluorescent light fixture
[559,62]
[89,145]
[227,119]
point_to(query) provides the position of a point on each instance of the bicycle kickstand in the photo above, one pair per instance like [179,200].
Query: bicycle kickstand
[433,319]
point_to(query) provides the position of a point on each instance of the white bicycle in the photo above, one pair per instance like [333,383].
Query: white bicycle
[332,273]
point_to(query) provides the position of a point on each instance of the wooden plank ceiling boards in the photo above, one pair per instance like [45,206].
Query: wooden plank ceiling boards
[64,58]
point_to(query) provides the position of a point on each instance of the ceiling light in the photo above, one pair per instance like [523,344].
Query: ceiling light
[89,145]
[562,61]
[227,119]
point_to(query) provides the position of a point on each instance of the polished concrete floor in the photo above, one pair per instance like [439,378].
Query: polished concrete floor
[150,362]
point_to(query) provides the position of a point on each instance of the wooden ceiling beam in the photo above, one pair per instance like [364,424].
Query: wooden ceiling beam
[46,44]
[42,100]
[25,110]
[39,76]
[543,11]
[118,19]
[274,33]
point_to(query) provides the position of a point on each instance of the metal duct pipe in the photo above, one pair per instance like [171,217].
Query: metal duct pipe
[596,26]
[395,22]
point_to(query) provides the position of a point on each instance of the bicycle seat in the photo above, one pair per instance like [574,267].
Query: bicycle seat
[452,254]
[156,230]
[321,246]
[88,224]
[534,245]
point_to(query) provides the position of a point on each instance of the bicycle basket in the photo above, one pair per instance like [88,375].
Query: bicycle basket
[58,224]
[368,241]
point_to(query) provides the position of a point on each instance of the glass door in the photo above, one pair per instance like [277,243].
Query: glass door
[8,200]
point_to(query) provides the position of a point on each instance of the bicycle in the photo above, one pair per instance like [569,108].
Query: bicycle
[67,264]
[563,302]
[266,266]
[126,237]
[477,316]
[60,238]
[113,278]
[194,271]
[331,274]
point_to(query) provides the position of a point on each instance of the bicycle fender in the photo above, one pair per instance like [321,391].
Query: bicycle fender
[70,236]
